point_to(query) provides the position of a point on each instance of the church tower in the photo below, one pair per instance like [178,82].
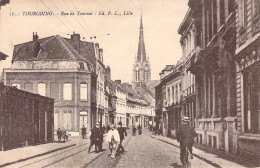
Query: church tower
[141,67]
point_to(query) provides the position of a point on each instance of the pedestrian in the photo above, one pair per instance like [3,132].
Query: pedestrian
[134,130]
[100,133]
[113,140]
[95,138]
[139,129]
[64,135]
[83,131]
[59,134]
[122,133]
[185,136]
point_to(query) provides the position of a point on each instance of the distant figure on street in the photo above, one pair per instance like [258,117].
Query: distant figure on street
[113,139]
[96,138]
[185,136]
[59,134]
[84,132]
[122,133]
[139,129]
[134,130]
[64,135]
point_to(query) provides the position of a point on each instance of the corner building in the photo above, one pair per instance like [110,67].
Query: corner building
[58,67]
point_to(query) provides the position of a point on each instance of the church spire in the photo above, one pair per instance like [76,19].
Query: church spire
[141,53]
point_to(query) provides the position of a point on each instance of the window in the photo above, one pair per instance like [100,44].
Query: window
[42,89]
[222,12]
[81,65]
[17,85]
[256,8]
[252,101]
[243,12]
[83,91]
[137,75]
[172,93]
[67,91]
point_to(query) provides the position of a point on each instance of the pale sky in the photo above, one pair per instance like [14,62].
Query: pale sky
[161,19]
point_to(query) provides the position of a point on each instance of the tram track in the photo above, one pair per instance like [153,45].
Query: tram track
[55,155]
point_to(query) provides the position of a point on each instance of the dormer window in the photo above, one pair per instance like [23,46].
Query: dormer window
[81,65]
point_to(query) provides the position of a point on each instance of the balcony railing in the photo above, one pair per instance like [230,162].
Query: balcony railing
[190,90]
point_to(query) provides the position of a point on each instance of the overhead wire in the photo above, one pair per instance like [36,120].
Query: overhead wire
[56,16]
[64,16]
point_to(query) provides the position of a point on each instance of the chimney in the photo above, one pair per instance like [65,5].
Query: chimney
[35,36]
[118,81]
[75,37]
[130,86]
[108,72]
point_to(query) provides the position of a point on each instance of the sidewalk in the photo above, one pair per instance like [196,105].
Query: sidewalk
[25,153]
[212,156]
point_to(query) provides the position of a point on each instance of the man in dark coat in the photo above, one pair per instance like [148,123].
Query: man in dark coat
[96,138]
[122,134]
[84,132]
[185,136]
[59,133]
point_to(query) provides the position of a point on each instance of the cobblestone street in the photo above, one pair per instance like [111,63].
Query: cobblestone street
[145,151]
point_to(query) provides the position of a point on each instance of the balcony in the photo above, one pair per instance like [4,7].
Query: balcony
[189,91]
[255,25]
[196,61]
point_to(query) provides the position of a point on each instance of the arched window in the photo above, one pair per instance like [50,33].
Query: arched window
[137,75]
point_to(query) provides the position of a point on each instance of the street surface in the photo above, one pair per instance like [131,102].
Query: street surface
[141,151]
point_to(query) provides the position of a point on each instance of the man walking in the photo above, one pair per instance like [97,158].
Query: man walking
[59,133]
[94,138]
[99,137]
[113,139]
[122,134]
[185,136]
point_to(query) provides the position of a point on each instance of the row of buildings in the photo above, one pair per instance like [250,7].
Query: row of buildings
[216,82]
[72,72]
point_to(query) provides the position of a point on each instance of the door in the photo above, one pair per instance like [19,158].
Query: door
[83,120]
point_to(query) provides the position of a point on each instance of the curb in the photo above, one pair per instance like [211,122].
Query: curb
[41,154]
[196,155]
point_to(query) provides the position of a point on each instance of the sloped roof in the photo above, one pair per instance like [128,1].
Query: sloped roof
[3,56]
[168,67]
[151,84]
[52,48]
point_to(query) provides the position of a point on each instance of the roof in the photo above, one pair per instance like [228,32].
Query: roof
[54,48]
[185,21]
[151,84]
[3,56]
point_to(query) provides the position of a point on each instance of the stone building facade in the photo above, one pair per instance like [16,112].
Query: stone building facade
[57,67]
[247,57]
[188,36]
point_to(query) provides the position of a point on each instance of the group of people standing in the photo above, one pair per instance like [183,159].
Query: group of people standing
[62,134]
[114,138]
